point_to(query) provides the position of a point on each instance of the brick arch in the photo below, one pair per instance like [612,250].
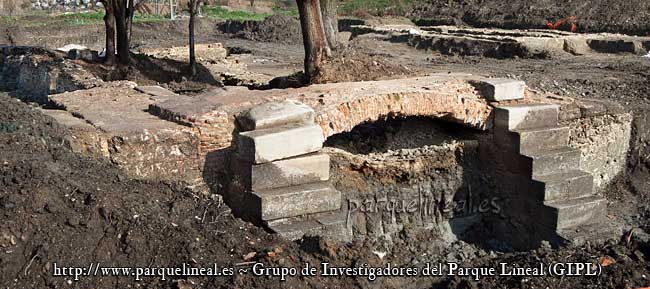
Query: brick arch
[456,101]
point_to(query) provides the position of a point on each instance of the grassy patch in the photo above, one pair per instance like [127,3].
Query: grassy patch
[81,18]
[377,7]
[149,18]
[222,13]
[6,20]
[292,11]
[96,17]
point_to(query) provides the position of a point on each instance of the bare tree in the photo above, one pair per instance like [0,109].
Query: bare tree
[330,22]
[193,6]
[313,35]
[130,12]
[109,22]
[117,19]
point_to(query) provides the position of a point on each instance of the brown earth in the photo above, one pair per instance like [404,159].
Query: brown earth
[276,28]
[57,206]
[62,208]
[630,17]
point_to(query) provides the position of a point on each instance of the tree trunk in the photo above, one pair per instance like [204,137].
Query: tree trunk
[313,36]
[120,8]
[109,22]
[193,7]
[330,22]
[130,11]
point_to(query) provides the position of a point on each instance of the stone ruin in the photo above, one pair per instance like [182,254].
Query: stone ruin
[541,191]
[532,167]
[529,167]
[504,43]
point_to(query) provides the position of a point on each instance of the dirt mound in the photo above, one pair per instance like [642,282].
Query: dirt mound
[631,17]
[353,65]
[275,28]
[58,207]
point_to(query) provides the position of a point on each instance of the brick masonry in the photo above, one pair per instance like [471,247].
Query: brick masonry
[191,138]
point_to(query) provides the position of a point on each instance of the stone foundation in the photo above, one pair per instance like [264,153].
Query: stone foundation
[604,142]
[601,130]
[155,134]
[502,43]
[32,74]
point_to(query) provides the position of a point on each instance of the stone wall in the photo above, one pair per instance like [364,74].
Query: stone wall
[601,130]
[604,142]
[145,146]
[34,73]
[455,101]
[163,154]
[339,107]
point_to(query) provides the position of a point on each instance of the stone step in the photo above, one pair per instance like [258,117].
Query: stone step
[295,228]
[276,113]
[267,145]
[572,213]
[555,161]
[310,168]
[526,116]
[335,225]
[529,141]
[568,185]
[595,232]
[329,224]
[501,89]
[296,201]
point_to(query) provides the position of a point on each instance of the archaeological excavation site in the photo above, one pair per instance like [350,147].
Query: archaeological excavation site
[324,144]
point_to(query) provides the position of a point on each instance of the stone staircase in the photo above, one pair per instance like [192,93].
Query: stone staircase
[285,177]
[560,196]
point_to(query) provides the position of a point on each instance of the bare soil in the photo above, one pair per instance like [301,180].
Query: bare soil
[629,17]
[61,207]
[276,28]
[57,206]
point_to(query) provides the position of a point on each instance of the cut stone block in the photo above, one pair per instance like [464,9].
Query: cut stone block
[575,212]
[69,47]
[576,45]
[67,119]
[556,161]
[267,145]
[294,228]
[82,54]
[597,231]
[501,89]
[330,224]
[335,225]
[526,116]
[289,172]
[277,113]
[300,170]
[297,200]
[529,141]
[564,186]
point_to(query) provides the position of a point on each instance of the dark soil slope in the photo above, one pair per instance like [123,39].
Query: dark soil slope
[620,16]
